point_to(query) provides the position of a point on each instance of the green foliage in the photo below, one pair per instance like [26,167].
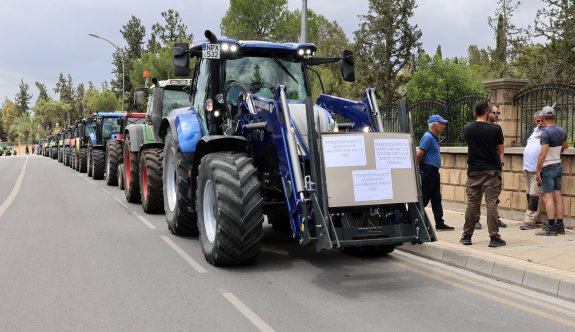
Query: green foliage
[266,20]
[438,78]
[42,92]
[172,30]
[105,101]
[51,114]
[9,114]
[23,97]
[385,44]
[26,129]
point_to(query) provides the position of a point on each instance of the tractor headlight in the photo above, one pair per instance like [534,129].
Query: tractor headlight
[301,51]
[225,47]
[233,48]
[366,129]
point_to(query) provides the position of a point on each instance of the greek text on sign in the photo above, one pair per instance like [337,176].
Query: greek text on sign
[372,185]
[211,51]
[343,150]
[392,153]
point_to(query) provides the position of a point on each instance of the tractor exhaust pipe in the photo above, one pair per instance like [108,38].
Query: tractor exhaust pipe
[211,37]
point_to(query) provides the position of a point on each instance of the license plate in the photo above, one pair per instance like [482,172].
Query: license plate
[211,51]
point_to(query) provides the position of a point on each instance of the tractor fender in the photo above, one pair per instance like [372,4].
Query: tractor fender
[211,144]
[186,124]
[147,146]
[98,147]
[136,132]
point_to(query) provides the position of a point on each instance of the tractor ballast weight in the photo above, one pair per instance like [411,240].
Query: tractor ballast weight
[253,143]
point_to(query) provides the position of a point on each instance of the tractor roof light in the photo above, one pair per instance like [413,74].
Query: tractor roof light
[301,52]
[233,48]
[225,47]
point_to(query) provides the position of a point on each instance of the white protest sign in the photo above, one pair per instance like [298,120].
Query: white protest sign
[372,185]
[392,153]
[343,150]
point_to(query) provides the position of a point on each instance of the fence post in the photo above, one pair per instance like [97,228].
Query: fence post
[502,91]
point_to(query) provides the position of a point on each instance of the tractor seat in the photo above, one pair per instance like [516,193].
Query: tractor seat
[322,118]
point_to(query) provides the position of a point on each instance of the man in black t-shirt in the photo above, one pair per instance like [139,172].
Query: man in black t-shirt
[485,153]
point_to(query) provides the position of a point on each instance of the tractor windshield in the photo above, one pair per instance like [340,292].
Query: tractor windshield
[174,99]
[90,129]
[261,75]
[110,126]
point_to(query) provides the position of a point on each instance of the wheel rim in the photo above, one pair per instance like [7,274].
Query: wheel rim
[209,206]
[145,181]
[171,179]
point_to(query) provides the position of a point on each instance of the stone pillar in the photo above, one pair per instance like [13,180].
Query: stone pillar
[502,91]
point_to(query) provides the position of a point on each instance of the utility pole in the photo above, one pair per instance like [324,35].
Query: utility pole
[304,22]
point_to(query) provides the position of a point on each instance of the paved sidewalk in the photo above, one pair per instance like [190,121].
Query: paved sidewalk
[542,263]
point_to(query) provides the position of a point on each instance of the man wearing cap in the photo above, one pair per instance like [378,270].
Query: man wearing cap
[484,155]
[429,159]
[530,158]
[550,171]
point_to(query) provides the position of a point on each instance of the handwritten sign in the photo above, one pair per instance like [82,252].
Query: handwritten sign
[372,185]
[343,151]
[392,153]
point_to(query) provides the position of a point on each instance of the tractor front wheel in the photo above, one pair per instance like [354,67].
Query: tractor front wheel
[229,205]
[114,152]
[83,160]
[131,173]
[99,160]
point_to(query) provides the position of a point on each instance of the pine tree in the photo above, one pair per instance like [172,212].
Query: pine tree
[385,45]
[243,21]
[172,30]
[43,92]
[23,98]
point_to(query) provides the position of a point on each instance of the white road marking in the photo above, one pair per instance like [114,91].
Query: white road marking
[6,204]
[184,255]
[107,192]
[144,220]
[120,202]
[259,323]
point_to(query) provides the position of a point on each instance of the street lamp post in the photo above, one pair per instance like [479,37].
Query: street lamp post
[123,69]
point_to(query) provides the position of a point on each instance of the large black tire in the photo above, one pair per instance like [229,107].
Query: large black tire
[131,173]
[151,185]
[179,215]
[114,152]
[60,155]
[121,176]
[76,160]
[229,206]
[83,160]
[99,161]
[67,154]
[90,162]
[54,151]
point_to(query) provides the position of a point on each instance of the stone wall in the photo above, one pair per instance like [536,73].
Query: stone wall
[454,178]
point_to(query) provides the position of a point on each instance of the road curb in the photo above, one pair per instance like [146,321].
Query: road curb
[536,277]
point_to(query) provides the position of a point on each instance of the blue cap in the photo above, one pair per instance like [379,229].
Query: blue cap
[436,118]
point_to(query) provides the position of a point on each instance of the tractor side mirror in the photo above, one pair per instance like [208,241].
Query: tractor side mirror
[181,59]
[140,97]
[347,66]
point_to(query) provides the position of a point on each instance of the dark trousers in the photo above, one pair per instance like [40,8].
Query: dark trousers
[431,188]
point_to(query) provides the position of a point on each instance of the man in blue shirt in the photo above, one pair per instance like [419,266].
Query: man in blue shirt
[429,160]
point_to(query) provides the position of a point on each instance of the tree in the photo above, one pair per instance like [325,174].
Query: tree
[23,97]
[243,21]
[9,114]
[43,92]
[52,113]
[385,44]
[64,89]
[79,99]
[24,128]
[105,101]
[173,30]
[509,39]
[556,23]
[438,78]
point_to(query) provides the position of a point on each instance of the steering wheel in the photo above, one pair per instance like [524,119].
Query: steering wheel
[232,89]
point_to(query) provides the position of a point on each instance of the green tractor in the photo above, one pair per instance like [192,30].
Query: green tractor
[85,131]
[144,148]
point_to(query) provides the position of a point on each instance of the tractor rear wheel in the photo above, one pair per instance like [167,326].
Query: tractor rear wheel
[54,152]
[60,155]
[229,206]
[67,154]
[151,187]
[99,161]
[90,162]
[114,152]
[179,215]
[83,160]
[131,173]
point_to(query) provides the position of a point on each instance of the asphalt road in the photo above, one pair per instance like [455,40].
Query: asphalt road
[74,256]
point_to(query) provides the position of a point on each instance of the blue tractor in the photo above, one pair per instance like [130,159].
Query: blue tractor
[107,127]
[251,145]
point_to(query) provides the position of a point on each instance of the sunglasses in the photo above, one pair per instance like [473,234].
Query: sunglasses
[497,113]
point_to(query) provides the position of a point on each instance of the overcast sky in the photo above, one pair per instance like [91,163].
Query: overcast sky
[41,39]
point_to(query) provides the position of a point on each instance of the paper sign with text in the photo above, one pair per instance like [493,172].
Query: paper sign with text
[372,185]
[392,153]
[344,151]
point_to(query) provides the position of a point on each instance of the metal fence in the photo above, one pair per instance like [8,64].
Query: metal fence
[532,100]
